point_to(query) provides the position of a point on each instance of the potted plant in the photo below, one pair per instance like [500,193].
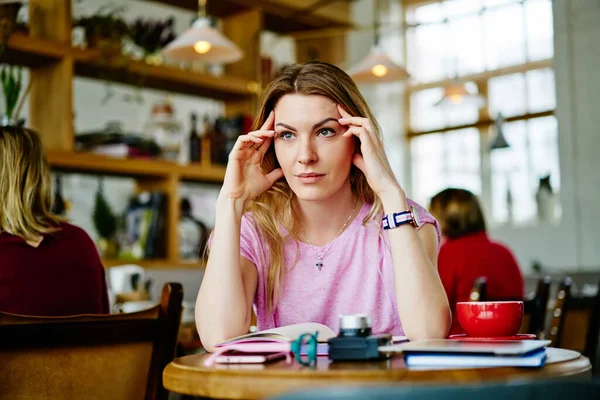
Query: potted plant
[104,29]
[151,36]
[11,78]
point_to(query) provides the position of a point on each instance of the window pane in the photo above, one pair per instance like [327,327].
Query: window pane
[541,92]
[510,169]
[539,29]
[543,141]
[463,114]
[443,160]
[423,114]
[507,95]
[463,159]
[467,40]
[427,50]
[493,3]
[504,36]
[427,156]
[428,13]
[457,8]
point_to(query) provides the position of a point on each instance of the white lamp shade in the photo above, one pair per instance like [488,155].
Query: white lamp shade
[458,94]
[218,49]
[377,67]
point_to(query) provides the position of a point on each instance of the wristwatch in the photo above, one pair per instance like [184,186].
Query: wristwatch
[411,216]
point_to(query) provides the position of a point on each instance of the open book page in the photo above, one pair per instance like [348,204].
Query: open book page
[288,333]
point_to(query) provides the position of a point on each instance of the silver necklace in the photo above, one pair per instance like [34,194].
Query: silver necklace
[319,263]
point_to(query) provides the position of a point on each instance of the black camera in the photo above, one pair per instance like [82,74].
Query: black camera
[355,342]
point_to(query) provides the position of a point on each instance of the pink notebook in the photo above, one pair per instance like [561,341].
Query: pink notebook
[275,340]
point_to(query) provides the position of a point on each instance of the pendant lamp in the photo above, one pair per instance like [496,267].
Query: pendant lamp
[202,42]
[457,94]
[377,67]
[499,141]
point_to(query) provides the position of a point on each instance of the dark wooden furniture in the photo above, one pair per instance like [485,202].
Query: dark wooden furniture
[118,356]
[535,304]
[576,321]
[188,375]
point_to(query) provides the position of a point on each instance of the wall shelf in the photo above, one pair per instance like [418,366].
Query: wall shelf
[157,263]
[92,64]
[34,52]
[92,163]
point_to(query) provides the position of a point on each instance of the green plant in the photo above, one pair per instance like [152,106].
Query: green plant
[12,82]
[106,23]
[105,221]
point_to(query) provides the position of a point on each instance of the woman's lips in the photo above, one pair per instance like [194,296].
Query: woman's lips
[310,178]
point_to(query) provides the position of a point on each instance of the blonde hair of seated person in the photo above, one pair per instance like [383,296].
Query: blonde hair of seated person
[26,189]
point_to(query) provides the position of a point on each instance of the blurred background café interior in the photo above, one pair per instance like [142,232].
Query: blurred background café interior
[498,97]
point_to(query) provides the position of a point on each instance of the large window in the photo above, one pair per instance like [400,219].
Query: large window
[501,50]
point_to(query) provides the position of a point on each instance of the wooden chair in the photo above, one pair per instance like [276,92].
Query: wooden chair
[575,322]
[534,305]
[118,356]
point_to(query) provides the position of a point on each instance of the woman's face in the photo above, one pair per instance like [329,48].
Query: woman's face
[309,146]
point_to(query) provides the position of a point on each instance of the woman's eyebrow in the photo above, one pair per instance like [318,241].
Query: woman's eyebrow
[318,124]
[315,126]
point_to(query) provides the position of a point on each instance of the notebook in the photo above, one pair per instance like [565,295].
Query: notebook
[537,358]
[447,346]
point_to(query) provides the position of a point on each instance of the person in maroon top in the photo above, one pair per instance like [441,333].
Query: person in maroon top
[467,252]
[47,266]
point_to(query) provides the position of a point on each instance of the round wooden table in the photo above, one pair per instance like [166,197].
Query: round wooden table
[188,375]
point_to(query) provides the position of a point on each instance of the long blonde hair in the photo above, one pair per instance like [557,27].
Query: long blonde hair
[25,189]
[269,209]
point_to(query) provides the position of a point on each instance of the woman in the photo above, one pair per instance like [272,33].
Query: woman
[467,253]
[47,267]
[299,218]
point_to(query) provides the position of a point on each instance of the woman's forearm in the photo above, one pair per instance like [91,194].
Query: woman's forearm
[422,303]
[221,309]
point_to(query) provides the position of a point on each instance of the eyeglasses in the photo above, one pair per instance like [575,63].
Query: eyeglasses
[306,345]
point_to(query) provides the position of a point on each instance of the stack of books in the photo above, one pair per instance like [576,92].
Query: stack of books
[445,353]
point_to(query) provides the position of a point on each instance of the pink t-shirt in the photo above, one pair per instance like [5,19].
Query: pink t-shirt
[357,277]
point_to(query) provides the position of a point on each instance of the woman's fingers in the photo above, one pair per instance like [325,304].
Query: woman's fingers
[268,124]
[360,132]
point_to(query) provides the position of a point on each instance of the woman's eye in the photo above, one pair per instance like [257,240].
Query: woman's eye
[286,135]
[326,132]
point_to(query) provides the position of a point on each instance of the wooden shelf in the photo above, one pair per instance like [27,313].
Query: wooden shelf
[32,52]
[280,16]
[157,263]
[91,64]
[35,52]
[93,163]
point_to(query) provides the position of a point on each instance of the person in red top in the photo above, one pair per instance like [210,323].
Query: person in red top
[467,253]
[47,266]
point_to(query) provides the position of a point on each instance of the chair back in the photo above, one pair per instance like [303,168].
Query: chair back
[118,356]
[575,321]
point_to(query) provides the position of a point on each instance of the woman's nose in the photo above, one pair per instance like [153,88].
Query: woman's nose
[306,152]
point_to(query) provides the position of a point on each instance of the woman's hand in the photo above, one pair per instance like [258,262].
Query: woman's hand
[372,162]
[244,177]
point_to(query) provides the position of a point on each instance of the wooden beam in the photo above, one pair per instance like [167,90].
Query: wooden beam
[51,96]
[280,16]
[521,68]
[481,124]
[244,30]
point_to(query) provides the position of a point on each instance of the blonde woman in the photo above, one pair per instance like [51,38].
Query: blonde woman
[47,266]
[300,229]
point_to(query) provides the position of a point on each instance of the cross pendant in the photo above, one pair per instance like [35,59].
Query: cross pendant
[319,265]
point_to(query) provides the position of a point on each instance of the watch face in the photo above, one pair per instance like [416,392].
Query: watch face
[415,215]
